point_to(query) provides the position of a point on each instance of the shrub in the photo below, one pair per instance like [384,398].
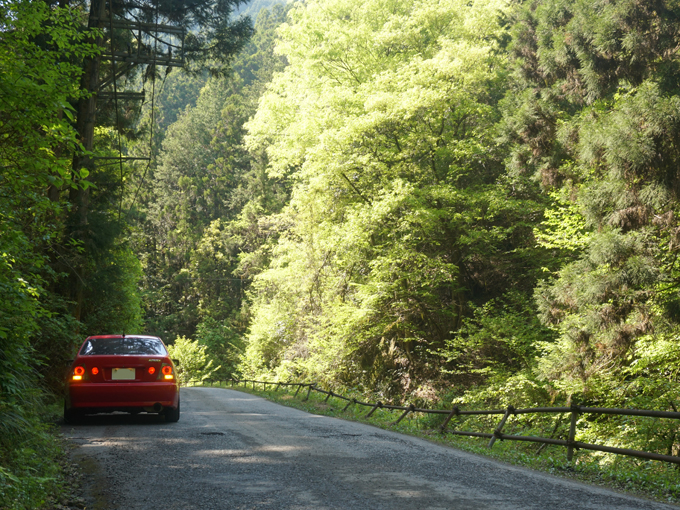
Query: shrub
[194,362]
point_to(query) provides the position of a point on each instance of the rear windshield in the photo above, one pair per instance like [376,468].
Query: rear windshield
[127,345]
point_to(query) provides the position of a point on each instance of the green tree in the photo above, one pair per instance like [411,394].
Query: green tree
[177,91]
[195,221]
[37,83]
[399,220]
[35,143]
[210,40]
[593,116]
[222,344]
[194,363]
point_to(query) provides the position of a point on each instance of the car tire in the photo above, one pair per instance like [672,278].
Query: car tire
[172,414]
[71,417]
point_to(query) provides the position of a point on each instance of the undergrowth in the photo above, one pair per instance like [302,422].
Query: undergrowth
[652,479]
[32,462]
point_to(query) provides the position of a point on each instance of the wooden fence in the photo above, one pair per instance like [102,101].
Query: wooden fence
[570,443]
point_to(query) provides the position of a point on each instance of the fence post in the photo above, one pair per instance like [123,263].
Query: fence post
[379,404]
[309,390]
[278,385]
[353,401]
[498,432]
[330,393]
[575,409]
[296,391]
[411,408]
[454,412]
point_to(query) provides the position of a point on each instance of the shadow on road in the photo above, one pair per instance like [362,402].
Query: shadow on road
[117,419]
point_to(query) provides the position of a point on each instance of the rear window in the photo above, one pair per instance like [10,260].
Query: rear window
[127,345]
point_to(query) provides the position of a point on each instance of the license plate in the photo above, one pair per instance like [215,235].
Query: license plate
[122,374]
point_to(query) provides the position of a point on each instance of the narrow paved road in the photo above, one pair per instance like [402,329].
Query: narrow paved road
[231,450]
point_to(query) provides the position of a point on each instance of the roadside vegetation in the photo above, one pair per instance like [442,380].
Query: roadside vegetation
[436,202]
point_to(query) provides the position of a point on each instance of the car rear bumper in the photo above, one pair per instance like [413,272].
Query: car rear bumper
[112,396]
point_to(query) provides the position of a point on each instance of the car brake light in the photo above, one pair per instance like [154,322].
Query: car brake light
[78,373]
[167,372]
[152,370]
[95,370]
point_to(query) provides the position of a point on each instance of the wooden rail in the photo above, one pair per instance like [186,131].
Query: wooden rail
[571,444]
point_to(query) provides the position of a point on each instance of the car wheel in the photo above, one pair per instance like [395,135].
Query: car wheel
[172,415]
[71,417]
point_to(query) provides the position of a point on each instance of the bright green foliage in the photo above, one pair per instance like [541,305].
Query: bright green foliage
[398,222]
[194,363]
[564,227]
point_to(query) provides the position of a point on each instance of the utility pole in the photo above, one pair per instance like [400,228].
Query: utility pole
[144,50]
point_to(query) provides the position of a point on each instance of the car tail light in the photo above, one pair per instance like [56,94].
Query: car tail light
[167,372]
[94,370]
[152,370]
[78,373]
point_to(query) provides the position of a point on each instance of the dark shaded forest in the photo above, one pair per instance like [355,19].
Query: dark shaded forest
[468,202]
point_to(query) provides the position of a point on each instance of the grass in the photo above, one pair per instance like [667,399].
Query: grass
[35,471]
[651,479]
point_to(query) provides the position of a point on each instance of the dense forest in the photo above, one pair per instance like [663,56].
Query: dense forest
[434,201]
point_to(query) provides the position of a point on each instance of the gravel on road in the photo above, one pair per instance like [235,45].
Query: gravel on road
[232,450]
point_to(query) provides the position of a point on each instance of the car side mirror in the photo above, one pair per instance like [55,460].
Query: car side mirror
[176,362]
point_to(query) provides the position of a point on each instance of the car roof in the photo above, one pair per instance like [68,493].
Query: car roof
[122,336]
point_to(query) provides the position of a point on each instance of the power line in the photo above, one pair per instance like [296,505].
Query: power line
[141,54]
[194,278]
[152,155]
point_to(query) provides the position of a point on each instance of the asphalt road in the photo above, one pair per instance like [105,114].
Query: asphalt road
[231,450]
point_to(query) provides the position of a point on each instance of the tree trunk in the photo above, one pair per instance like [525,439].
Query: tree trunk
[85,123]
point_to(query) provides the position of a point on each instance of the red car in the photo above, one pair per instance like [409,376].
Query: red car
[130,373]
